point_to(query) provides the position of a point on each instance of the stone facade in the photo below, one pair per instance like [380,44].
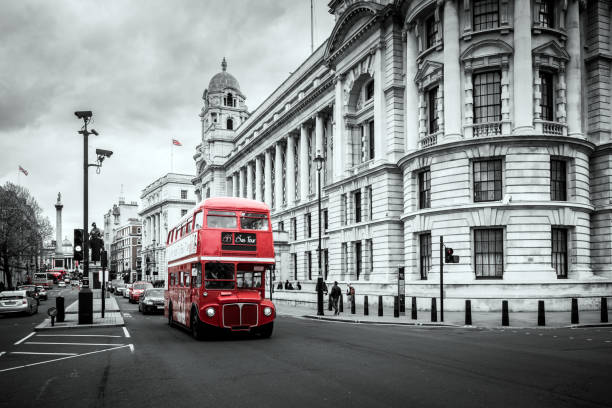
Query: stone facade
[486,123]
[125,250]
[163,203]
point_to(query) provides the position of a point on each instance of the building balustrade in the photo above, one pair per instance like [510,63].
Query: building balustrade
[487,129]
[554,128]
[429,140]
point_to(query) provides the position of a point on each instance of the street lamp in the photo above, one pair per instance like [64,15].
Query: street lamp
[319,161]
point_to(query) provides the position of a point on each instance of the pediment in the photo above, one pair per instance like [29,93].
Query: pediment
[551,49]
[353,21]
[486,48]
[429,69]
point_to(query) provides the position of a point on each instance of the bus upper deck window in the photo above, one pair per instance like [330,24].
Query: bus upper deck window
[221,219]
[254,221]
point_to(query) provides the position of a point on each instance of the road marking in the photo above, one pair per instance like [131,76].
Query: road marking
[25,338]
[607,341]
[589,339]
[127,334]
[44,354]
[131,347]
[63,358]
[77,335]
[2,353]
[74,344]
[127,315]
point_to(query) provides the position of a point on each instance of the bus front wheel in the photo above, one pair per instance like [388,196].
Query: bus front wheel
[266,330]
[197,329]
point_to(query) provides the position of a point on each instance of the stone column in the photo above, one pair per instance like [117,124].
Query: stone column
[243,180]
[268,178]
[258,179]
[319,134]
[290,170]
[249,180]
[412,92]
[380,111]
[304,163]
[573,76]
[338,138]
[58,228]
[452,77]
[523,69]
[235,184]
[278,176]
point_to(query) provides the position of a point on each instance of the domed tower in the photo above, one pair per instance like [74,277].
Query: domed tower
[223,112]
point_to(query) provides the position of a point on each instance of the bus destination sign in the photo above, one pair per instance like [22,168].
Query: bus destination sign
[238,241]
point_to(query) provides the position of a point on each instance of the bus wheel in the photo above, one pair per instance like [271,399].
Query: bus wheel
[265,331]
[170,321]
[196,326]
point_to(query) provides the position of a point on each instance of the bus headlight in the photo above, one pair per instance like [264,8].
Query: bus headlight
[267,311]
[210,312]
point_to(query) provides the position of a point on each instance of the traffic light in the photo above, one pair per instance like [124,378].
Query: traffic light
[104,259]
[77,252]
[449,257]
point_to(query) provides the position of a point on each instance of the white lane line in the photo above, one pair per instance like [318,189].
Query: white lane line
[63,358]
[24,339]
[131,347]
[127,334]
[73,344]
[44,354]
[2,353]
[77,335]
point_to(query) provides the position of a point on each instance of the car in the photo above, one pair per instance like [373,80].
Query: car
[137,289]
[67,280]
[42,292]
[126,290]
[119,289]
[61,284]
[151,300]
[31,290]
[18,301]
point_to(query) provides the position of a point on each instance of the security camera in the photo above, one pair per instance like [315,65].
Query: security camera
[83,114]
[94,132]
[104,153]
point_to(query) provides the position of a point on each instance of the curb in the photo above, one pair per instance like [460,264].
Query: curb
[46,325]
[331,319]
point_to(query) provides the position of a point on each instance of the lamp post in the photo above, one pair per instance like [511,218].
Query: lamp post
[319,160]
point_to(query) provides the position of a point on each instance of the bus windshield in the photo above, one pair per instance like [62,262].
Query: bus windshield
[221,219]
[219,275]
[254,221]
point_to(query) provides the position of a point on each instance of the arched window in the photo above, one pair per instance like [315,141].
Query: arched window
[230,124]
[229,100]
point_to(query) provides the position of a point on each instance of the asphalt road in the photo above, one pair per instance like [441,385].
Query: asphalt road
[305,363]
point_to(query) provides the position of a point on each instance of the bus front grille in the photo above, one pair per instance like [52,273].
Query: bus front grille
[239,314]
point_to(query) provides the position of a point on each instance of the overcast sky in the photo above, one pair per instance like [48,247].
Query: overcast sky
[141,67]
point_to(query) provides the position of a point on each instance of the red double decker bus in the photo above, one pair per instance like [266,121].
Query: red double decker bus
[218,256]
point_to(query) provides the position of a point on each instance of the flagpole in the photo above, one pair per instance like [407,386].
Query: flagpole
[172,157]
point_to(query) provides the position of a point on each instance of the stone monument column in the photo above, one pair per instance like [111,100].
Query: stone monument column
[58,227]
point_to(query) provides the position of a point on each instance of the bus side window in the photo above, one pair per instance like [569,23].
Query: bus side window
[186,280]
[181,278]
[199,275]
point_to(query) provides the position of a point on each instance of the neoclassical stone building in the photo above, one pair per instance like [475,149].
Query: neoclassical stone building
[486,122]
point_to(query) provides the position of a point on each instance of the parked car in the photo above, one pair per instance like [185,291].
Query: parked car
[31,290]
[151,300]
[126,291]
[18,301]
[61,284]
[119,289]
[137,289]
[42,292]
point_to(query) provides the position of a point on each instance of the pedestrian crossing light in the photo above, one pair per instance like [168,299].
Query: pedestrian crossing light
[77,252]
[449,257]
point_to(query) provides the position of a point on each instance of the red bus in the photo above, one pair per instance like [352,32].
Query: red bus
[218,255]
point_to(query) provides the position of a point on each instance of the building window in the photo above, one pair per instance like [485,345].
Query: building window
[369,90]
[309,264]
[432,110]
[489,253]
[486,14]
[559,252]
[343,258]
[547,103]
[294,228]
[184,194]
[295,268]
[281,226]
[183,212]
[368,210]
[546,13]
[431,32]
[325,220]
[230,124]
[558,180]
[370,257]
[357,259]
[343,210]
[371,140]
[325,263]
[487,97]
[357,203]
[425,189]
[425,254]
[488,180]
[308,225]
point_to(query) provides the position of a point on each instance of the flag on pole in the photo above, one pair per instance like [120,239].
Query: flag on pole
[24,171]
[176,142]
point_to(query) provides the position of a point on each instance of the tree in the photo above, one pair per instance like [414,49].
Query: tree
[23,229]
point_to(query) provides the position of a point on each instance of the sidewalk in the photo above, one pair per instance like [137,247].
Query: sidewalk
[451,319]
[112,316]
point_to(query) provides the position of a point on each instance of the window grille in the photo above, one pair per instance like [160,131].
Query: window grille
[558,180]
[488,180]
[489,253]
[559,252]
[425,254]
[546,103]
[486,14]
[358,260]
[425,189]
[546,13]
[487,97]
[431,32]
[357,204]
[432,109]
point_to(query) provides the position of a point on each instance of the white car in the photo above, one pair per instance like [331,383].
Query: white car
[126,291]
[62,284]
[18,301]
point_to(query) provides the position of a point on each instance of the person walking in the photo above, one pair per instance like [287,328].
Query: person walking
[335,295]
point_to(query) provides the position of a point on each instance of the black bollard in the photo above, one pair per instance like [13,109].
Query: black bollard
[604,310]
[434,310]
[541,314]
[505,317]
[341,300]
[380,306]
[402,303]
[395,306]
[575,319]
[366,307]
[468,312]
[352,304]
[414,308]
[59,305]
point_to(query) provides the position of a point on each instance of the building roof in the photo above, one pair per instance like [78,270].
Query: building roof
[223,80]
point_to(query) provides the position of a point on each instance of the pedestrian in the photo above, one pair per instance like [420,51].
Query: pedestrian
[350,293]
[2,286]
[280,285]
[335,295]
[299,287]
[287,284]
